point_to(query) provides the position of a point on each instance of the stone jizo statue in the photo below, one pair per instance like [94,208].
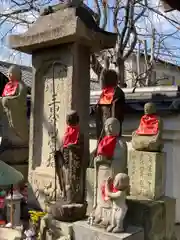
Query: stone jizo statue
[116,192]
[111,102]
[111,159]
[70,168]
[148,136]
[14,130]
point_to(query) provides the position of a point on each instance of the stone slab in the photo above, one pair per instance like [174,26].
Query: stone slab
[147,174]
[81,231]
[156,217]
[56,229]
[50,30]
[10,234]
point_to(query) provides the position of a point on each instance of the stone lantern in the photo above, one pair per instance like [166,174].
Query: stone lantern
[14,202]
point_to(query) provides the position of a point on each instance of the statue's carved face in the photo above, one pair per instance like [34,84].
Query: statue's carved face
[14,73]
[109,78]
[72,118]
[149,108]
[112,127]
[121,181]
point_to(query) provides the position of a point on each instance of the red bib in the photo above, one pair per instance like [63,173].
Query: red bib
[106,146]
[149,125]
[71,135]
[107,96]
[104,193]
[10,88]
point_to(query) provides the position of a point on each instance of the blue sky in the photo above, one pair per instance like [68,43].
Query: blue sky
[167,36]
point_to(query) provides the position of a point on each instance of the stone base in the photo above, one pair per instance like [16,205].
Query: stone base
[83,231]
[156,217]
[10,234]
[147,174]
[42,187]
[53,229]
[69,212]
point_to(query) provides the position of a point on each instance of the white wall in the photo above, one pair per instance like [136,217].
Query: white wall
[161,70]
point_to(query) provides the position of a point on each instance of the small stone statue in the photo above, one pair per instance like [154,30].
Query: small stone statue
[148,136]
[117,191]
[111,102]
[70,168]
[110,160]
[14,130]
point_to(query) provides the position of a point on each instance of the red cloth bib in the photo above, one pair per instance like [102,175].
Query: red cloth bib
[107,96]
[149,125]
[106,146]
[71,135]
[104,193]
[10,88]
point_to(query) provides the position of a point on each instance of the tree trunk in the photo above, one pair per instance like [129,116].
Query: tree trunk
[121,72]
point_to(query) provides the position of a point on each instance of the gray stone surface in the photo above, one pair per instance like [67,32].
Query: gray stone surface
[82,231]
[90,189]
[61,44]
[156,217]
[10,234]
[147,174]
[60,27]
[55,229]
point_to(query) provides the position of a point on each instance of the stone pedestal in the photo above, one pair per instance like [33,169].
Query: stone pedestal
[11,234]
[156,217]
[147,174]
[60,44]
[52,229]
[83,231]
[16,201]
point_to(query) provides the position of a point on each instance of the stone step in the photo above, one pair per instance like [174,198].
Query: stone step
[10,234]
[83,231]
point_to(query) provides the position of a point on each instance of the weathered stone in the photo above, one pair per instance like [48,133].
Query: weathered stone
[55,229]
[61,44]
[14,131]
[156,217]
[110,170]
[64,26]
[90,189]
[147,174]
[84,231]
[148,136]
[10,234]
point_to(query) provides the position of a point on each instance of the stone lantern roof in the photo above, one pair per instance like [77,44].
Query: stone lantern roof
[67,25]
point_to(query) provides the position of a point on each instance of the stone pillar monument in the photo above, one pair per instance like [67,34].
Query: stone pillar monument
[60,44]
[148,205]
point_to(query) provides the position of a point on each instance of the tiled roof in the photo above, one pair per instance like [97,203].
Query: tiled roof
[26,72]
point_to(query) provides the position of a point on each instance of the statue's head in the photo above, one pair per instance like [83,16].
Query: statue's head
[72,118]
[121,181]
[109,78]
[14,73]
[149,108]
[112,127]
